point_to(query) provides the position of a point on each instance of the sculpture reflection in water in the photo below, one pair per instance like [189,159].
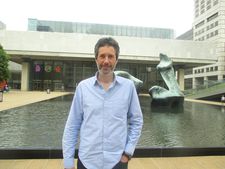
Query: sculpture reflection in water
[137,82]
[171,98]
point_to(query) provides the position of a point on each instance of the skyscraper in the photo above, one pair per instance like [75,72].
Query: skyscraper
[209,25]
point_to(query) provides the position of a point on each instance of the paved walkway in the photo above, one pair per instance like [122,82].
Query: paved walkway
[18,98]
[206,102]
[15,98]
[209,162]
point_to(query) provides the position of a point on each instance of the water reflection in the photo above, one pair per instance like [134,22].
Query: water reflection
[41,125]
[198,125]
[38,125]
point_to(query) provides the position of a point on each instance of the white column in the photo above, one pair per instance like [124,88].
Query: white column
[206,81]
[25,76]
[194,83]
[181,79]
[220,77]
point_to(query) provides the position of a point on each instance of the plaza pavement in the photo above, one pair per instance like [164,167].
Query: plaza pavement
[16,98]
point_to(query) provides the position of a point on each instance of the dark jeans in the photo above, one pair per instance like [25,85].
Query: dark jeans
[119,165]
[80,165]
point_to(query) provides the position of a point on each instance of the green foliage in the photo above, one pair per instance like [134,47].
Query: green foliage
[4,63]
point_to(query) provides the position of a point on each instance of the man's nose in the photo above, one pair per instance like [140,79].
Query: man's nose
[106,59]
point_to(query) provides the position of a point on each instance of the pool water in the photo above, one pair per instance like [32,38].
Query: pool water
[41,125]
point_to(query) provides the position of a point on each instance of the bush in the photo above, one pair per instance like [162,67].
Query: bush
[4,63]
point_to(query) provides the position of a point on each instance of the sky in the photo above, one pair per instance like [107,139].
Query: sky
[172,14]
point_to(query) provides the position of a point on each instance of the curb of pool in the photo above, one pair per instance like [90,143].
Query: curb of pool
[139,152]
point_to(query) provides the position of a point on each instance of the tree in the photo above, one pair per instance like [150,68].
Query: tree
[4,63]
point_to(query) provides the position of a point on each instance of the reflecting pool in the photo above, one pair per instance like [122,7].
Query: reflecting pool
[41,125]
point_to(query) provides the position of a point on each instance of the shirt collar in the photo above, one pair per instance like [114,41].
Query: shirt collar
[115,80]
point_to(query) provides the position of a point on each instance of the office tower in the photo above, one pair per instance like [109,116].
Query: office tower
[209,25]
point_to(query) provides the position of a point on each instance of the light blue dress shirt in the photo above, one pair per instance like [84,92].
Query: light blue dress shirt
[109,123]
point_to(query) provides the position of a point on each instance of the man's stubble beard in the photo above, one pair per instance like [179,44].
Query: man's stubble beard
[99,67]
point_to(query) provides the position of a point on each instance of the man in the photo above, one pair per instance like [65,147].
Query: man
[105,111]
[223,99]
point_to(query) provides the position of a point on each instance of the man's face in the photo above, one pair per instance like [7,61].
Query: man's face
[106,60]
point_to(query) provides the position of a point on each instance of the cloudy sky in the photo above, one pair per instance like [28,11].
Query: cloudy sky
[174,14]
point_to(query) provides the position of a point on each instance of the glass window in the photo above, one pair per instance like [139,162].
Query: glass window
[129,32]
[216,23]
[208,7]
[134,33]
[216,32]
[79,28]
[199,24]
[215,2]
[212,17]
[138,32]
[58,70]
[119,30]
[124,31]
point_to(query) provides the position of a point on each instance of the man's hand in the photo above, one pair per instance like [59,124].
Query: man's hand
[124,159]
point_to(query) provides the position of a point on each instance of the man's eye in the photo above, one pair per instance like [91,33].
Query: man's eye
[102,56]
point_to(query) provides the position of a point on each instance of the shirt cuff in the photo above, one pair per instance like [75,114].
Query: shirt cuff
[129,149]
[68,163]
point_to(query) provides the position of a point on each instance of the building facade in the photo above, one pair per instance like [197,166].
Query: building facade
[62,60]
[209,25]
[71,73]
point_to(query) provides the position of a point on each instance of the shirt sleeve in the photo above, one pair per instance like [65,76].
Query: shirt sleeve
[72,128]
[135,122]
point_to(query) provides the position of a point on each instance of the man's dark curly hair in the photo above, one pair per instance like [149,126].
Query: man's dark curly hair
[107,41]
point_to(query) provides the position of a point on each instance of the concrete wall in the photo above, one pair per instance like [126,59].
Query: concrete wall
[81,46]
